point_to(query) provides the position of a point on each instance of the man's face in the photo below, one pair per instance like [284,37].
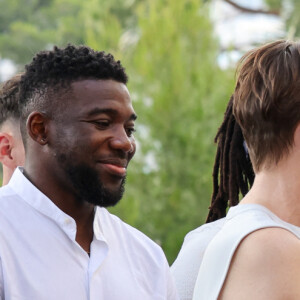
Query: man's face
[93,140]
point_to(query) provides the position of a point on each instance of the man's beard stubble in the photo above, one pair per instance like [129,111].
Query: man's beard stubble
[88,186]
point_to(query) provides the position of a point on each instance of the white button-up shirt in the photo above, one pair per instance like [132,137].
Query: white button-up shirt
[40,259]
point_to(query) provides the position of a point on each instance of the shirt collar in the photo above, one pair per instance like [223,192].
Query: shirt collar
[39,201]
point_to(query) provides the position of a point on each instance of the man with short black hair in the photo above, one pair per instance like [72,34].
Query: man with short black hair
[11,145]
[57,240]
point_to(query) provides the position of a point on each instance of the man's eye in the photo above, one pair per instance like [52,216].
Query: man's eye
[102,124]
[130,131]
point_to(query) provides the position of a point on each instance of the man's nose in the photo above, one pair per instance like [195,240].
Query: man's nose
[121,141]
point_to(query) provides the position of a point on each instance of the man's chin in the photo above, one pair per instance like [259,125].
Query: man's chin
[107,197]
[109,203]
[90,187]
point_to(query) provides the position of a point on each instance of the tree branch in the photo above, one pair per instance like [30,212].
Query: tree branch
[253,11]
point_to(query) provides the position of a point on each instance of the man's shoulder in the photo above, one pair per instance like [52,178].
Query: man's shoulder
[10,209]
[6,190]
[6,195]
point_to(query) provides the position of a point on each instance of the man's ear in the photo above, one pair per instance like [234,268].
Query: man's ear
[37,127]
[6,145]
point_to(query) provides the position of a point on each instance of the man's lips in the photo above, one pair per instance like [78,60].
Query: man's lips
[115,168]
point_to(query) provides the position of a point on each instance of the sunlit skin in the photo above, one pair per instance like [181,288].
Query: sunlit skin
[94,128]
[267,262]
[11,148]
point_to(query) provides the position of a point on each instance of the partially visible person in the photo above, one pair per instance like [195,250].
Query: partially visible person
[11,144]
[232,175]
[256,253]
[57,239]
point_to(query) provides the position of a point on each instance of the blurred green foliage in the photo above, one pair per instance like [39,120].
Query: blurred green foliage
[180,96]
[179,93]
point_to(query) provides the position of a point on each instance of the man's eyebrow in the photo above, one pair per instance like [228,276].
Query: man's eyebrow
[109,111]
[98,111]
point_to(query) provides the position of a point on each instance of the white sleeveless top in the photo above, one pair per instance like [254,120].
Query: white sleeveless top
[241,220]
[186,267]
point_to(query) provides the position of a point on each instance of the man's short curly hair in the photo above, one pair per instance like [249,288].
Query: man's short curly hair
[51,73]
[9,99]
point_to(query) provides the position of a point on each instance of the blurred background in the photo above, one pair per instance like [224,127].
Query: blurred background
[181,57]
